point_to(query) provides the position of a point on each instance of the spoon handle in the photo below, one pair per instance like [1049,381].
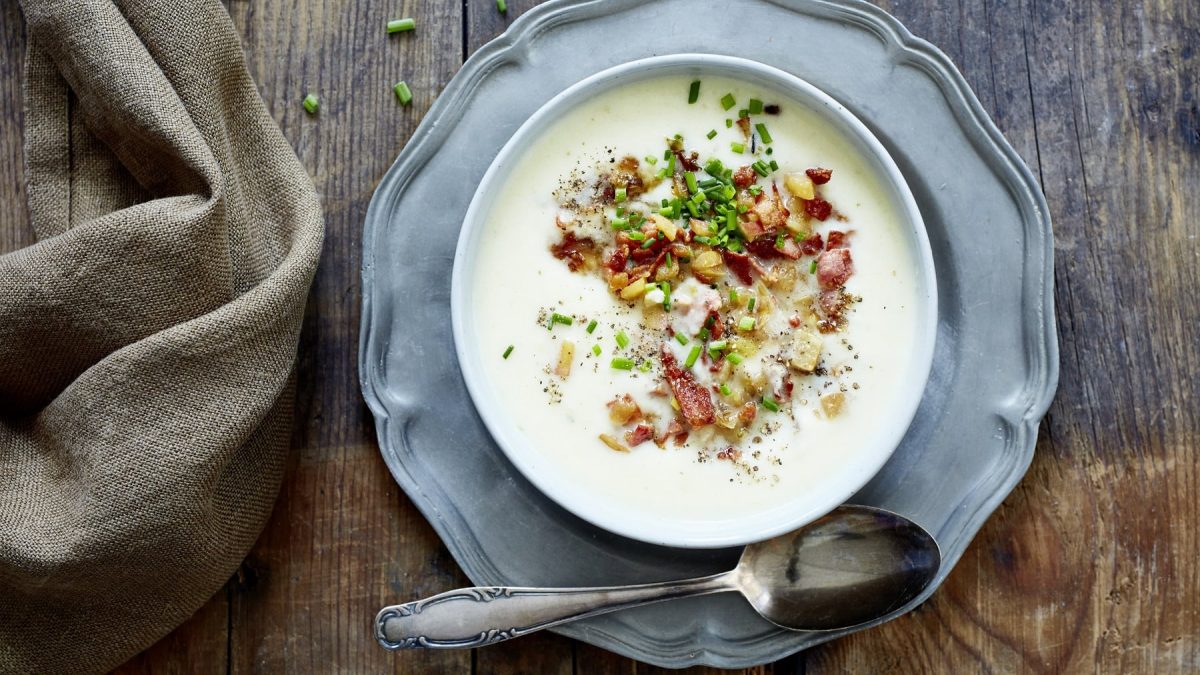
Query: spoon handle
[473,617]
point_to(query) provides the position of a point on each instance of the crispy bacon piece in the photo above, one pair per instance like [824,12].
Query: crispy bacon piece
[764,247]
[640,434]
[618,258]
[716,327]
[688,162]
[695,403]
[574,250]
[747,414]
[771,212]
[834,267]
[744,124]
[673,429]
[819,176]
[837,239]
[817,208]
[741,265]
[744,177]
[812,245]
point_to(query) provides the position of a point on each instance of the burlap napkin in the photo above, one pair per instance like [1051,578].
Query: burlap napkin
[147,338]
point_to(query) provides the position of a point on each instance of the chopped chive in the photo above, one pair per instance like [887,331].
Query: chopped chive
[770,404]
[756,106]
[779,239]
[508,351]
[751,306]
[651,159]
[591,328]
[770,151]
[669,261]
[622,363]
[666,289]
[681,339]
[743,113]
[731,219]
[619,195]
[756,190]
[692,356]
[725,391]
[728,123]
[620,224]
[648,243]
[761,168]
[728,101]
[746,324]
[738,148]
[694,92]
[717,345]
[762,132]
[501,6]
[400,25]
[712,133]
[735,358]
[690,179]
[671,164]
[636,236]
[774,165]
[403,93]
[622,339]
[312,104]
[561,318]
[812,268]
[646,366]
[596,350]
[733,296]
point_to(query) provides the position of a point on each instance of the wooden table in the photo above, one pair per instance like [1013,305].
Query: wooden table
[1091,564]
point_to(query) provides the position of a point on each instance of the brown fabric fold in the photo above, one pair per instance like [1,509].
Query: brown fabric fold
[147,339]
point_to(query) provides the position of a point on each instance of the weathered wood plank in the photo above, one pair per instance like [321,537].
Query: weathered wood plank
[15,231]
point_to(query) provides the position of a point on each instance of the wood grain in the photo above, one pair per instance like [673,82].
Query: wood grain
[1089,566]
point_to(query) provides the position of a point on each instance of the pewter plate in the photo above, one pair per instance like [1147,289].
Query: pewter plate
[995,363]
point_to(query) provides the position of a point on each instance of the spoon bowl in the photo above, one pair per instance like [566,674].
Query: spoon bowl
[855,565]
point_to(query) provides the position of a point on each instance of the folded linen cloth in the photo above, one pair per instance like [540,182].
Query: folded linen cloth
[147,339]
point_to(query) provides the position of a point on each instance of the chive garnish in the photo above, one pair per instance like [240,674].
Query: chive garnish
[728,101]
[648,243]
[725,391]
[561,318]
[646,366]
[651,159]
[690,179]
[679,337]
[619,195]
[403,93]
[728,123]
[694,92]
[733,296]
[508,351]
[591,327]
[666,289]
[774,165]
[751,306]
[620,224]
[738,148]
[312,104]
[669,261]
[779,239]
[622,339]
[622,363]
[716,347]
[712,133]
[762,132]
[746,324]
[636,236]
[743,113]
[756,106]
[596,350]
[692,356]
[400,25]
[735,358]
[769,403]
[501,6]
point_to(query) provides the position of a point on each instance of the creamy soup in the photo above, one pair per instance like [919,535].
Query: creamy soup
[694,310]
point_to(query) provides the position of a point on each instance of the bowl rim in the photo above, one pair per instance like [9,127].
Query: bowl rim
[517,447]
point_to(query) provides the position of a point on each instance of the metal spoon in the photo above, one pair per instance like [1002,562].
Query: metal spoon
[850,567]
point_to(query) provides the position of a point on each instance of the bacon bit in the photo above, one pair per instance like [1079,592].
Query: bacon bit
[716,327]
[744,177]
[819,176]
[731,453]
[673,429]
[764,247]
[659,391]
[613,443]
[817,208]
[578,252]
[770,210]
[812,245]
[794,321]
[640,434]
[688,162]
[837,239]
[694,400]
[744,124]
[618,258]
[740,264]
[747,414]
[788,386]
[834,268]
[681,438]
